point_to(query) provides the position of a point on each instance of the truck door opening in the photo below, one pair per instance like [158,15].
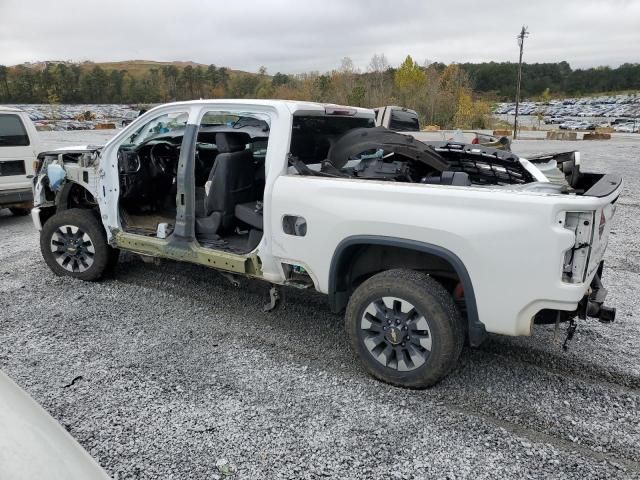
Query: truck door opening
[147,168]
[230,179]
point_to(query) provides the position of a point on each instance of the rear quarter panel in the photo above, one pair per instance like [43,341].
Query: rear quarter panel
[511,243]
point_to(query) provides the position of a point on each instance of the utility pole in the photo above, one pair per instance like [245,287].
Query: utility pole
[523,34]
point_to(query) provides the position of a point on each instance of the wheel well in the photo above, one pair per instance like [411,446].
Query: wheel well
[73,195]
[358,258]
[362,261]
[366,260]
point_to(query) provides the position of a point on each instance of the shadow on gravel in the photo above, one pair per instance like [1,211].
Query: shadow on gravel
[304,327]
[557,362]
[9,219]
[182,337]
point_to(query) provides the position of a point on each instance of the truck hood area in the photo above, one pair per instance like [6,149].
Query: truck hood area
[80,148]
[82,155]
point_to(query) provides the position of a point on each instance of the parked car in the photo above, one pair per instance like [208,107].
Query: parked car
[423,245]
[553,120]
[625,105]
[630,127]
[19,146]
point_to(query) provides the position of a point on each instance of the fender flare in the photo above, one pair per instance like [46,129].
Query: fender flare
[476,332]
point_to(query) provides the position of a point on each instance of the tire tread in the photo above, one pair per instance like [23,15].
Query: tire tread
[88,220]
[420,285]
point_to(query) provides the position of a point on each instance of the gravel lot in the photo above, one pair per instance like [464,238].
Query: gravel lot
[184,376]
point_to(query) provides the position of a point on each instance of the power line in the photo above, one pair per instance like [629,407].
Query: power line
[524,33]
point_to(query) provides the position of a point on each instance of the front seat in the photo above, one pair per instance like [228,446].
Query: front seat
[231,182]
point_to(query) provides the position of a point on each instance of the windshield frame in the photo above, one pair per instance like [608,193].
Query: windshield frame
[135,139]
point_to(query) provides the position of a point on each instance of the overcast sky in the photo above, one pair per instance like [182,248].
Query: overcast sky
[295,36]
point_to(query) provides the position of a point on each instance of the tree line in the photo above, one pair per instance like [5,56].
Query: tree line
[446,95]
[498,79]
[71,83]
[440,95]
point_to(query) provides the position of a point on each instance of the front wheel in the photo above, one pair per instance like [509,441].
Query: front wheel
[73,243]
[405,328]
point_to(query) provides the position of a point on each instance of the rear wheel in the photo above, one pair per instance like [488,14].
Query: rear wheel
[19,212]
[73,243]
[405,328]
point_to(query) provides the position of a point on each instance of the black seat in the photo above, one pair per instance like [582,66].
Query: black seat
[231,181]
[251,214]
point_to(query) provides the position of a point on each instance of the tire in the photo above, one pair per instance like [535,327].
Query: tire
[19,212]
[405,328]
[73,243]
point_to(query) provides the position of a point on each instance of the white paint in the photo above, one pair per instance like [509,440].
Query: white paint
[27,153]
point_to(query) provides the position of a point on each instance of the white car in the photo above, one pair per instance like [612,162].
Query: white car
[19,146]
[627,127]
[34,446]
[423,244]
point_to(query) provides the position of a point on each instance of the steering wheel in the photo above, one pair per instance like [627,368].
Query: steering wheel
[162,154]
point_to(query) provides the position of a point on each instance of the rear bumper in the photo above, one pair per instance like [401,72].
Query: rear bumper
[591,305]
[20,197]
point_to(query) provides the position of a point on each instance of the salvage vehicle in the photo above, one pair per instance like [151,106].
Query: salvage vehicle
[19,146]
[423,245]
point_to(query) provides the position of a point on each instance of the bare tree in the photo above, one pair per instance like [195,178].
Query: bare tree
[377,68]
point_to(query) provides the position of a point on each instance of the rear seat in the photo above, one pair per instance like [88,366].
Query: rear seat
[251,214]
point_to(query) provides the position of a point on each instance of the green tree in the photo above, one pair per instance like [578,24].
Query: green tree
[170,74]
[4,80]
[280,79]
[243,86]
[409,80]
[357,95]
[223,77]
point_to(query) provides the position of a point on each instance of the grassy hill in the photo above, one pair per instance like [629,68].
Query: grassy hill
[135,68]
[137,81]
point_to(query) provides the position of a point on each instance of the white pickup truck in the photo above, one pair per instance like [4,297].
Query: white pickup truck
[19,146]
[424,245]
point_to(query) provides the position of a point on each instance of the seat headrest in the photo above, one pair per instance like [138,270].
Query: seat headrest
[232,142]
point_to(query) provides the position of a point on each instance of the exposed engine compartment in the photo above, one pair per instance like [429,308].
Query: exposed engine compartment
[380,154]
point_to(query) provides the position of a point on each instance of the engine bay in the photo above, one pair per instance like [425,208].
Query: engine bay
[380,154]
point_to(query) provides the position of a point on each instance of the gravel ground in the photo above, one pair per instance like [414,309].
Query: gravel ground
[184,375]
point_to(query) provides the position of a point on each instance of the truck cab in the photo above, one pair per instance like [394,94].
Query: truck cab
[398,119]
[19,146]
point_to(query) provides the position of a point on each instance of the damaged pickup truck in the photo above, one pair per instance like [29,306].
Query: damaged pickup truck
[424,245]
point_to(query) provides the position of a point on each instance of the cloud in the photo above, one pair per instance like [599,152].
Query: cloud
[296,36]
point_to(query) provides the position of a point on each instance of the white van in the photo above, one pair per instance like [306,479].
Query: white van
[19,147]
